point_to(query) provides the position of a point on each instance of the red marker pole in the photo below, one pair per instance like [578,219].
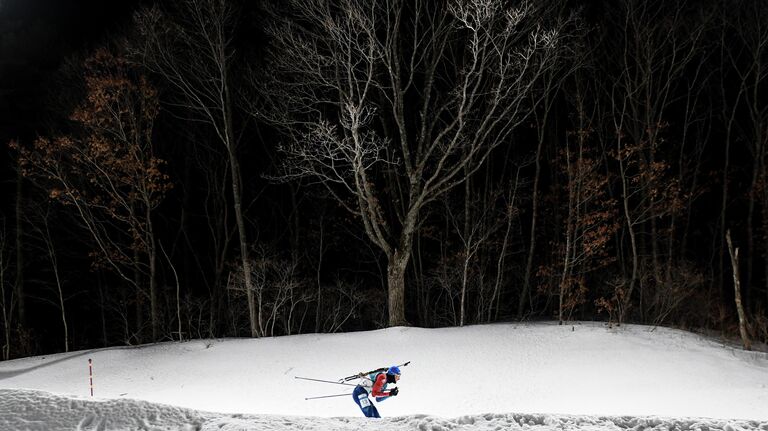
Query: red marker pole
[90,373]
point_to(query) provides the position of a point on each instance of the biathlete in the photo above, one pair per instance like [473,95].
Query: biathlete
[375,385]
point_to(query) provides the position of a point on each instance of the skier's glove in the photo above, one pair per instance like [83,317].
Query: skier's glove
[393,392]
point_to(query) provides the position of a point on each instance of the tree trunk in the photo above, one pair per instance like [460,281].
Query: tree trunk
[102,310]
[317,276]
[532,243]
[570,228]
[633,240]
[737,292]
[753,193]
[502,255]
[396,285]
[61,299]
[462,308]
[152,255]
[19,284]
[655,236]
[421,296]
[255,321]
[6,317]
[731,119]
[139,298]
[563,280]
[764,205]
[55,267]
[467,235]
[178,292]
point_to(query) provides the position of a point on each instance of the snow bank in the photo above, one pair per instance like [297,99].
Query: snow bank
[497,376]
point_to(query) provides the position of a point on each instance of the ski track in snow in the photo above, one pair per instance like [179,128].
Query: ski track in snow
[26,410]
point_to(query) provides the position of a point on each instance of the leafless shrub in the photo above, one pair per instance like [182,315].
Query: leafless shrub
[615,303]
[279,292]
[341,302]
[667,297]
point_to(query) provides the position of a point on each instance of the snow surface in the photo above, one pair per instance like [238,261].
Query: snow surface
[536,376]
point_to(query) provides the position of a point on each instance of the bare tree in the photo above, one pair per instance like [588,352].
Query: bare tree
[178,294]
[694,139]
[747,62]
[511,213]
[478,227]
[346,301]
[407,91]
[729,101]
[543,118]
[443,279]
[657,45]
[212,167]
[6,295]
[322,247]
[19,281]
[278,291]
[43,230]
[191,48]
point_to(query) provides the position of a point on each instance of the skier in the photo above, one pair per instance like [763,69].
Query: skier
[376,385]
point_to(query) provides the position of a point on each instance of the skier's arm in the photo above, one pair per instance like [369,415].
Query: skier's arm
[378,385]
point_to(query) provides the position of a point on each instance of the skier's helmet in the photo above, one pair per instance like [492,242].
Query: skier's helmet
[394,370]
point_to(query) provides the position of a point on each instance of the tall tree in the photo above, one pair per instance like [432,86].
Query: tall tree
[191,47]
[414,88]
[658,41]
[19,281]
[6,293]
[748,64]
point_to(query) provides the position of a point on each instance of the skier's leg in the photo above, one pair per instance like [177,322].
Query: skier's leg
[368,409]
[360,396]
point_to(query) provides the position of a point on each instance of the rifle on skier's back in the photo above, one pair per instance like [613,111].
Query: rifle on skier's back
[363,374]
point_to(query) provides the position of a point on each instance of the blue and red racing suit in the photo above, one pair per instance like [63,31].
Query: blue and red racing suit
[376,385]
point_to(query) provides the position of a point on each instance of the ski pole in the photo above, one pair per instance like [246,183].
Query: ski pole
[324,381]
[328,396]
[378,370]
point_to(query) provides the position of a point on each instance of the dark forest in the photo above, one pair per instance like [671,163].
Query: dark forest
[226,168]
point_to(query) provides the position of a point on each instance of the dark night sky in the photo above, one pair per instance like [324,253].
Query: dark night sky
[35,36]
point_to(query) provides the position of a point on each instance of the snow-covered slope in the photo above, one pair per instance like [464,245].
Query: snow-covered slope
[42,411]
[502,375]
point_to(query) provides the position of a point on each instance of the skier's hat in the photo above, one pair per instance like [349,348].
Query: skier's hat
[394,370]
